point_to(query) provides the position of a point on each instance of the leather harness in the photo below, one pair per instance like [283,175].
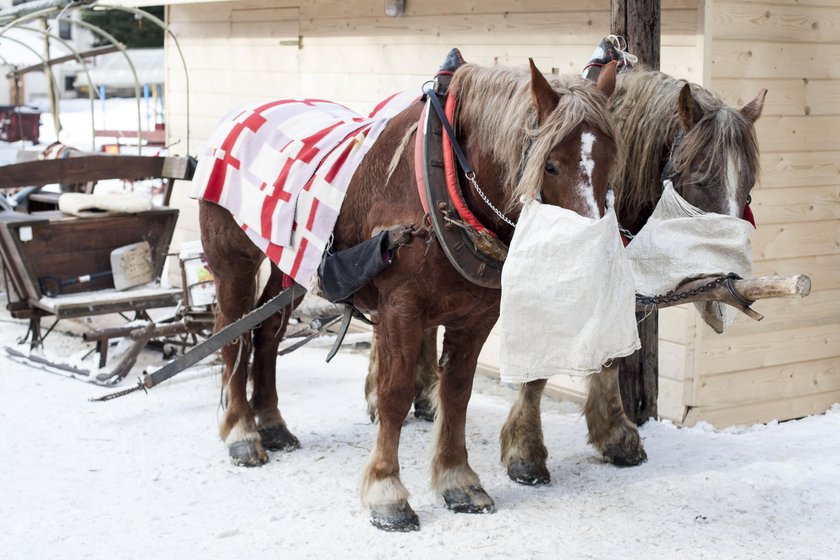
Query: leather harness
[472,248]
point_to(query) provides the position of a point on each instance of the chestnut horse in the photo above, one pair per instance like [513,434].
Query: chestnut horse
[501,111]
[711,153]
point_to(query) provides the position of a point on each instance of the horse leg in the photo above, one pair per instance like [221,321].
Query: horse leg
[238,429]
[452,476]
[425,377]
[372,377]
[272,428]
[382,491]
[234,261]
[523,451]
[610,431]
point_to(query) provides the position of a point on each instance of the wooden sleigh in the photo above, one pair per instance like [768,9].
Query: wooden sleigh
[74,253]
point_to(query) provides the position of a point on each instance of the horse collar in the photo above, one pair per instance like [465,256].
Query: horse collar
[472,248]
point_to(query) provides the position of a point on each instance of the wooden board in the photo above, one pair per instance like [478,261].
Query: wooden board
[766,59]
[745,352]
[92,168]
[799,204]
[767,384]
[790,169]
[774,22]
[787,97]
[766,411]
[67,247]
[796,239]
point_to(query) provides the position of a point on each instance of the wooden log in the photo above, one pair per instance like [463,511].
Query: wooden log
[638,21]
[754,289]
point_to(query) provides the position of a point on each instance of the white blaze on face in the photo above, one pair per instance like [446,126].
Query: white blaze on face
[587,165]
[732,185]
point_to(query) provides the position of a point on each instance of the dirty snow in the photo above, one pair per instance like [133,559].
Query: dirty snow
[146,476]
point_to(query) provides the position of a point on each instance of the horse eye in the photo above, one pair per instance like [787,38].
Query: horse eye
[551,168]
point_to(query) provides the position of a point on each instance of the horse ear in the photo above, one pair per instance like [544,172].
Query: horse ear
[606,81]
[752,110]
[689,109]
[544,97]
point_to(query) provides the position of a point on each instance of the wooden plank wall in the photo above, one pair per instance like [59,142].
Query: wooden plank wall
[789,364]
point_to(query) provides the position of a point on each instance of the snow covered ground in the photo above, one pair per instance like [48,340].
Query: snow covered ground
[146,476]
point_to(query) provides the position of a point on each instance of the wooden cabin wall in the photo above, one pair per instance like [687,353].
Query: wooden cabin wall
[788,365]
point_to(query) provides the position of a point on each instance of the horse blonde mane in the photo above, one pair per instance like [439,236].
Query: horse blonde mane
[645,111]
[495,104]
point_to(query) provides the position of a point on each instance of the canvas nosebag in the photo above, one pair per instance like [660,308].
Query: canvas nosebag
[681,242]
[568,302]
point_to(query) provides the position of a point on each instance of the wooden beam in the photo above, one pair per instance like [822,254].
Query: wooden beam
[638,21]
[93,168]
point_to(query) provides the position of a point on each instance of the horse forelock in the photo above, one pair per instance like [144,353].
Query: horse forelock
[644,108]
[723,137]
[495,105]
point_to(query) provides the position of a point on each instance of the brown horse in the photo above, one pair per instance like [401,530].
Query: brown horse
[711,155]
[501,111]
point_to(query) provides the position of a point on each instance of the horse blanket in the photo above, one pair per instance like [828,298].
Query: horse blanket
[282,168]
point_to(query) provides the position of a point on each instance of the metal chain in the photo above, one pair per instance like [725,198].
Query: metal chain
[471,177]
[674,296]
[626,232]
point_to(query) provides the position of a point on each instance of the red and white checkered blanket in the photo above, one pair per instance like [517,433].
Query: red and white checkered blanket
[282,168]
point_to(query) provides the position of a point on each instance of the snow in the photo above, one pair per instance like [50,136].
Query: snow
[146,476]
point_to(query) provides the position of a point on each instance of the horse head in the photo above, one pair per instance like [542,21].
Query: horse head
[715,156]
[577,168]
[531,136]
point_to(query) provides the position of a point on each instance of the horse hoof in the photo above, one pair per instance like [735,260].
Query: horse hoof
[625,458]
[529,474]
[278,438]
[247,454]
[396,518]
[472,500]
[424,410]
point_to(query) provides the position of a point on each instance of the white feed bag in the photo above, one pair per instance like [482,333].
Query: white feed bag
[568,304]
[680,242]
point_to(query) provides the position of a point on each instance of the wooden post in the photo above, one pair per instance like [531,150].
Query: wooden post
[638,22]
